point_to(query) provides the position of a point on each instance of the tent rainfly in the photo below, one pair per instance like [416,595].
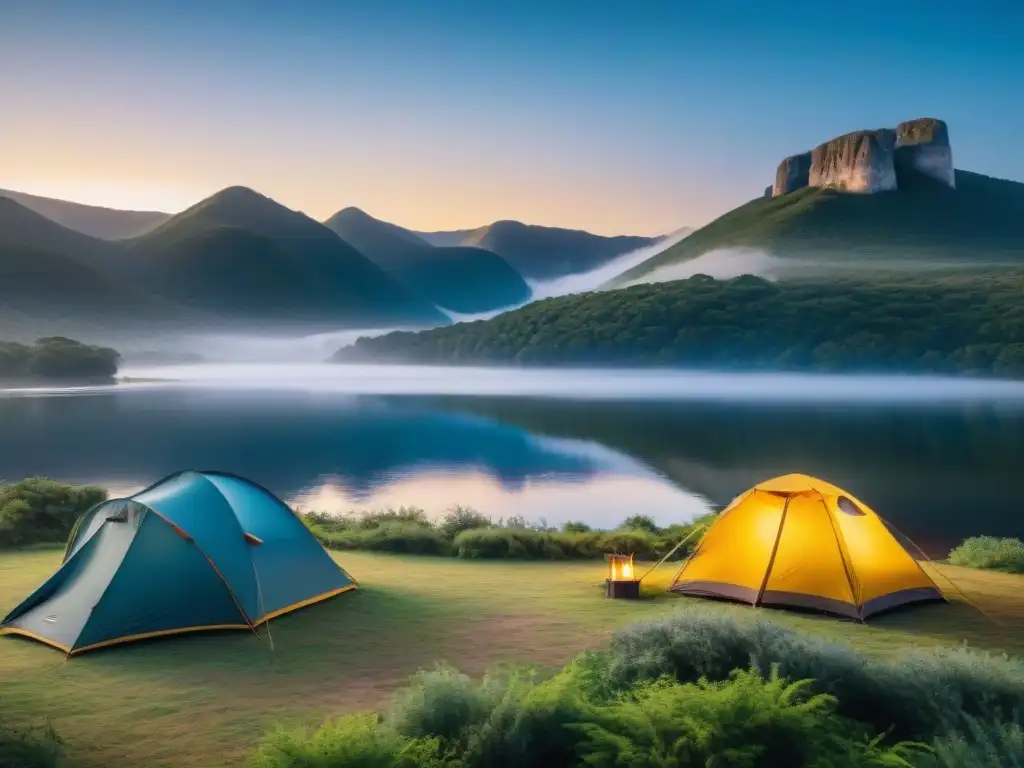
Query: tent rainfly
[802,542]
[196,551]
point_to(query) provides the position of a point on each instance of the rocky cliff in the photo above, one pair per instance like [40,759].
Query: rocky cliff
[862,161]
[792,174]
[923,145]
[867,162]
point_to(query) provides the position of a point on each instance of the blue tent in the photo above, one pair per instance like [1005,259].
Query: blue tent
[196,551]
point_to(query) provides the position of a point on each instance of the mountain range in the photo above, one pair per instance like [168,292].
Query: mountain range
[238,258]
[93,220]
[542,252]
[460,278]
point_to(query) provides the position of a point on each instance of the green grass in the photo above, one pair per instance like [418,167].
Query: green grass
[206,700]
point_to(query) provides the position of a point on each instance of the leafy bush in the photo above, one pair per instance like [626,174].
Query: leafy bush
[508,543]
[640,523]
[979,744]
[356,741]
[913,695]
[747,720]
[34,748]
[575,526]
[991,553]
[459,519]
[56,357]
[41,511]
[399,537]
[517,717]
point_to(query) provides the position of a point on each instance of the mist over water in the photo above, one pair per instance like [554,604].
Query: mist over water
[578,384]
[248,349]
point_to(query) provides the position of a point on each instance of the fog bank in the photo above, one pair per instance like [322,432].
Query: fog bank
[603,384]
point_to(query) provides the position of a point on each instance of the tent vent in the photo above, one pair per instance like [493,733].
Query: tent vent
[121,516]
[847,506]
[253,539]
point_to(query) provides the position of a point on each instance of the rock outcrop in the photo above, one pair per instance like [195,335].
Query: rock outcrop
[867,162]
[923,145]
[792,174]
[769,190]
[862,162]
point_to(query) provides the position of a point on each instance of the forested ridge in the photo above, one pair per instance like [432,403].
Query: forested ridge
[944,324]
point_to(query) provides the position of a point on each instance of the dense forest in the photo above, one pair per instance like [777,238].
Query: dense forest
[947,324]
[56,357]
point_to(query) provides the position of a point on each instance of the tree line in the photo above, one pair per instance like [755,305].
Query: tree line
[950,324]
[57,357]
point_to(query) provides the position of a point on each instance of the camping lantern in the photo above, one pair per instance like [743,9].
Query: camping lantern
[621,584]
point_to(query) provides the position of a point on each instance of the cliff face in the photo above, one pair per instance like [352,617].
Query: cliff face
[861,162]
[792,174]
[866,162]
[923,145]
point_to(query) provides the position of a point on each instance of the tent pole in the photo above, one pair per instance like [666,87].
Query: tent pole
[775,551]
[673,551]
[952,583]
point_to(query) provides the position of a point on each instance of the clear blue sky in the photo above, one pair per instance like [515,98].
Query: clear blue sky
[609,116]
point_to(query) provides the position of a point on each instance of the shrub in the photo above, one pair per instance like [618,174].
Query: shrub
[41,511]
[913,694]
[389,516]
[458,519]
[574,526]
[991,553]
[34,748]
[747,720]
[640,523]
[979,744]
[639,542]
[398,537]
[508,543]
[356,741]
[518,718]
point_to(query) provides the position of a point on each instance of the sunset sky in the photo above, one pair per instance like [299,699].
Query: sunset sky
[608,116]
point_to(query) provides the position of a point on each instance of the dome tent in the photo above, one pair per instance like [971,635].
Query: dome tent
[802,542]
[196,551]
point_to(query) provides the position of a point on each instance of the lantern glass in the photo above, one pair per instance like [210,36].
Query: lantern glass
[620,567]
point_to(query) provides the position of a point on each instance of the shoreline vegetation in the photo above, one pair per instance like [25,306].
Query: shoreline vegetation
[965,324]
[56,358]
[40,511]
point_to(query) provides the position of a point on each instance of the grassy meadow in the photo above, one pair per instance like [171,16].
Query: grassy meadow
[206,700]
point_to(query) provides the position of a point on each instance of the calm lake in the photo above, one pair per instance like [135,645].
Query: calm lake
[939,459]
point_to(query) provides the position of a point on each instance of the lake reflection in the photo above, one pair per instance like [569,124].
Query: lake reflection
[333,453]
[939,459]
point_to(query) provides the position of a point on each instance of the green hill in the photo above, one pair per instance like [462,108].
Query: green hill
[241,253]
[52,281]
[92,220]
[459,278]
[980,222]
[963,323]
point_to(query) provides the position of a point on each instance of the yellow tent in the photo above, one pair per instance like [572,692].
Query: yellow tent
[802,542]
